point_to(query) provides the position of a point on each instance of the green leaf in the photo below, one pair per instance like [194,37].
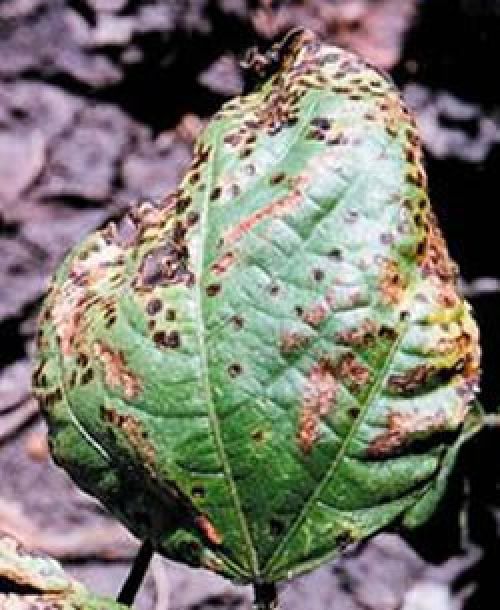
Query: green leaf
[29,582]
[270,363]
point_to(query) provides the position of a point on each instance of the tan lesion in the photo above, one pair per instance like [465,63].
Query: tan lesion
[117,374]
[134,431]
[279,207]
[319,397]
[392,283]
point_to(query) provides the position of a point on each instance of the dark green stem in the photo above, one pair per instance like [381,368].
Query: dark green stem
[266,597]
[136,574]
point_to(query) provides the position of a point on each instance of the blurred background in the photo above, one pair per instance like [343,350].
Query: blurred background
[100,101]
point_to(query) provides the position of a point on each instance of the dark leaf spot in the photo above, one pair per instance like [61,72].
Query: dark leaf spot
[234,369]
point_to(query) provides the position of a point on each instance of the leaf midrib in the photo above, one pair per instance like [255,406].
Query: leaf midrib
[212,411]
[201,327]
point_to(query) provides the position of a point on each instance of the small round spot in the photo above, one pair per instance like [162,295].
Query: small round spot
[277,178]
[87,377]
[276,527]
[194,178]
[173,339]
[235,369]
[213,290]
[192,218]
[351,216]
[154,306]
[421,248]
[299,310]
[335,254]
[318,274]
[258,436]
[198,492]
[238,322]
[163,339]
[321,123]
[170,314]
[82,359]
[216,193]
[386,332]
[182,204]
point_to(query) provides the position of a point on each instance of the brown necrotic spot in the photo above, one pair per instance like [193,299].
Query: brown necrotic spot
[277,178]
[133,429]
[163,339]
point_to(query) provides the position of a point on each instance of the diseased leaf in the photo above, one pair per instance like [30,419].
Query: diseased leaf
[273,361]
[28,582]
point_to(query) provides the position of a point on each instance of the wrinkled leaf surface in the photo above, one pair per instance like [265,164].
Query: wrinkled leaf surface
[270,363]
